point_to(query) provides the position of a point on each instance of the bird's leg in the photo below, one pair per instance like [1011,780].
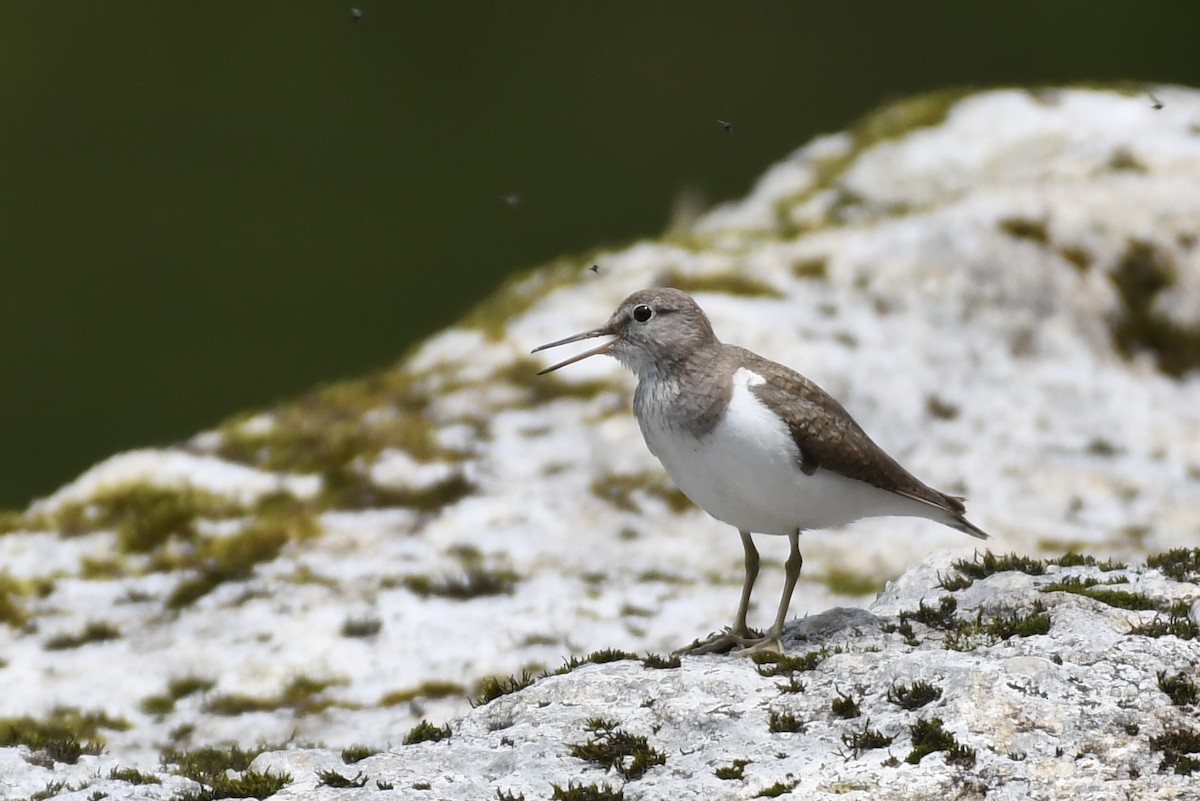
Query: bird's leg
[740,629]
[791,575]
[774,639]
[740,634]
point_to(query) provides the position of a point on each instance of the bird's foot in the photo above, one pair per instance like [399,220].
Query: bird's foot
[723,642]
[758,645]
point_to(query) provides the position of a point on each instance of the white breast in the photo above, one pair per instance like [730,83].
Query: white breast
[746,471]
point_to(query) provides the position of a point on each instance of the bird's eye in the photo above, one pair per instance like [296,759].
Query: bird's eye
[642,313]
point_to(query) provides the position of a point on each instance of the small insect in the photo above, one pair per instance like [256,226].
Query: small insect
[1157,104]
[356,14]
[726,126]
[510,199]
[595,268]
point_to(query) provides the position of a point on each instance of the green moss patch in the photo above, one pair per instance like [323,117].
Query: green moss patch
[1179,564]
[865,739]
[12,610]
[726,284]
[631,756]
[783,722]
[1179,688]
[735,770]
[622,491]
[929,736]
[304,695]
[64,735]
[426,732]
[771,664]
[1091,588]
[357,753]
[986,564]
[1177,746]
[94,631]
[432,689]
[1176,621]
[133,776]
[220,559]
[586,792]
[1142,272]
[913,696]
[474,582]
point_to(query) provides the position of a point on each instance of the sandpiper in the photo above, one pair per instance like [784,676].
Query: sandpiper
[752,442]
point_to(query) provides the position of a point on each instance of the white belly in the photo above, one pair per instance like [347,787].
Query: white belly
[746,472]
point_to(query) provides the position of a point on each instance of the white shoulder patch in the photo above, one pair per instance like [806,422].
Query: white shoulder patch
[747,378]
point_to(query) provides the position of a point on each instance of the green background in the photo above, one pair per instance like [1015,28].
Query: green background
[207,207]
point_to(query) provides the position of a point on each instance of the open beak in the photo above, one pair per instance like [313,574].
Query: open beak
[595,332]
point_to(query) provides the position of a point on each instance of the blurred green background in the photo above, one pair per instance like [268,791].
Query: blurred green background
[208,207]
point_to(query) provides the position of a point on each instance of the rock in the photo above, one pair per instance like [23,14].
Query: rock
[1003,288]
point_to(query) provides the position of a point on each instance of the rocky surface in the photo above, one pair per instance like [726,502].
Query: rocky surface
[1004,289]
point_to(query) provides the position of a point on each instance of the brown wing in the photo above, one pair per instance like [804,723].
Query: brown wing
[828,437]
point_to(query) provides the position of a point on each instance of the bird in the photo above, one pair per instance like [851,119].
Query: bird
[753,443]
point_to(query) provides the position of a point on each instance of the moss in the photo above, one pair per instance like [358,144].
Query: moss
[133,776]
[331,778]
[1143,271]
[586,792]
[361,627]
[63,735]
[727,283]
[302,696]
[522,374]
[144,516]
[507,795]
[203,763]
[913,696]
[736,770]
[771,664]
[475,582]
[357,753]
[986,564]
[622,491]
[780,722]
[928,736]
[426,732]
[1123,159]
[1121,599]
[846,582]
[811,268]
[1176,622]
[658,662]
[865,739]
[1179,688]
[1175,746]
[1179,564]
[93,631]
[493,687]
[1078,257]
[177,688]
[12,611]
[12,520]
[1034,230]
[1072,559]
[777,789]
[1019,624]
[435,688]
[630,755]
[223,559]
[844,706]
[251,784]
